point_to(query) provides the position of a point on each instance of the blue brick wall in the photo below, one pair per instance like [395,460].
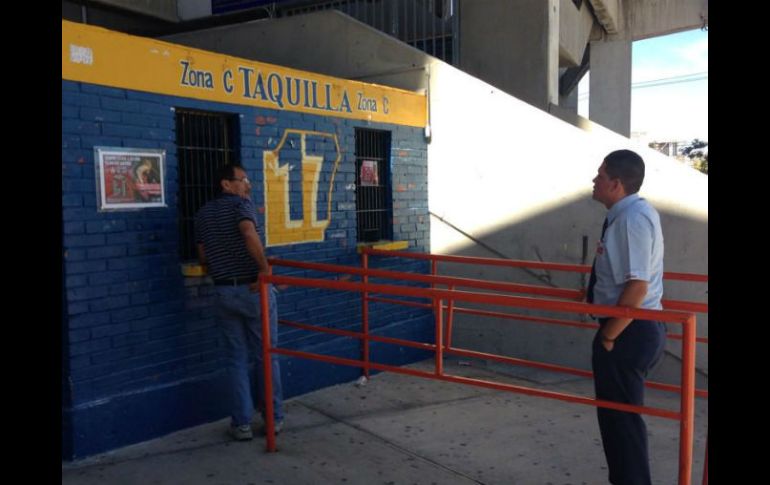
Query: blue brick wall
[138,335]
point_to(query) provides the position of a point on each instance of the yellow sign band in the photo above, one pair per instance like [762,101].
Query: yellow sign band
[99,56]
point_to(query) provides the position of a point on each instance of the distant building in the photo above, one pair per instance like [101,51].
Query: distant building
[670,148]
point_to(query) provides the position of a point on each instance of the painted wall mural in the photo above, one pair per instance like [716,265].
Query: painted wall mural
[299,184]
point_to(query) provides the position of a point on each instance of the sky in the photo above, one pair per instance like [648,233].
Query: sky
[669,87]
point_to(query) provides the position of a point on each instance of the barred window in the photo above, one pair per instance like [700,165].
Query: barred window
[373,201]
[205,142]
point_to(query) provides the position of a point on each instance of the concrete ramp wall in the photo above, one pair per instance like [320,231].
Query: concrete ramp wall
[519,181]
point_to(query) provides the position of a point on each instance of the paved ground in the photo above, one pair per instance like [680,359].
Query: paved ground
[400,429]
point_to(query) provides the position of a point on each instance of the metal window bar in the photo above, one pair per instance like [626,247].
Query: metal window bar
[429,25]
[373,211]
[205,142]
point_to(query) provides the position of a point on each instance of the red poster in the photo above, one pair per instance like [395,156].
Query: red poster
[369,173]
[130,179]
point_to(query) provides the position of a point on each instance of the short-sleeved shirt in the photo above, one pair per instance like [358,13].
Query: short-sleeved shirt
[632,249]
[216,227]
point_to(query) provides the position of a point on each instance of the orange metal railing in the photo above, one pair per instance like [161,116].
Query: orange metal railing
[695,307]
[443,345]
[453,282]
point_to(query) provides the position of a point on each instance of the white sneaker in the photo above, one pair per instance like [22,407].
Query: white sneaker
[241,433]
[278,428]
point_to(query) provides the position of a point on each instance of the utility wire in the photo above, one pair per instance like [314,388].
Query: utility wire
[685,78]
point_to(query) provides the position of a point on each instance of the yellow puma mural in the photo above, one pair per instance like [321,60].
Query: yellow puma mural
[283,226]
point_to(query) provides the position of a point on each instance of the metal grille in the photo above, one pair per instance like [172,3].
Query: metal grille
[205,142]
[428,25]
[372,201]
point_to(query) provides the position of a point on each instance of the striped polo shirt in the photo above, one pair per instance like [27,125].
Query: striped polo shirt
[216,227]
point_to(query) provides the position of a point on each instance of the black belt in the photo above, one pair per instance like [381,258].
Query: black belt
[243,280]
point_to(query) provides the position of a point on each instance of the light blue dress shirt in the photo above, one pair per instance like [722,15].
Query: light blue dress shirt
[632,249]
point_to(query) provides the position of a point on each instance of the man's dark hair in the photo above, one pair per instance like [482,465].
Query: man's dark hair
[225,173]
[627,166]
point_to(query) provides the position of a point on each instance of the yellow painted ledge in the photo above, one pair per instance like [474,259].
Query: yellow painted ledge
[384,245]
[193,270]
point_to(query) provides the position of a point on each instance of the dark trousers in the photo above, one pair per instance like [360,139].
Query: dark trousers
[619,376]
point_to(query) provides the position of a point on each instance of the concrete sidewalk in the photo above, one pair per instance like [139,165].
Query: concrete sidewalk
[399,429]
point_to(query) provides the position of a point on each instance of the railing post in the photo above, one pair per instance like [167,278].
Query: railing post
[449,319]
[687,412]
[706,463]
[365,314]
[433,270]
[267,365]
[439,338]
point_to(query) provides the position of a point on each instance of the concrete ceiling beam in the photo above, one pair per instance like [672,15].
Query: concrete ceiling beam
[608,14]
[575,25]
[645,19]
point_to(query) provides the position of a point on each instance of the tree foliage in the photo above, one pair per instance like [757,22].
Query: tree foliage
[697,151]
[691,149]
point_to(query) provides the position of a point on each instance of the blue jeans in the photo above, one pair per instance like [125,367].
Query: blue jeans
[239,315]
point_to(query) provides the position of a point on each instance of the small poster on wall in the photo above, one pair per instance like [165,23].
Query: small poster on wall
[369,173]
[130,178]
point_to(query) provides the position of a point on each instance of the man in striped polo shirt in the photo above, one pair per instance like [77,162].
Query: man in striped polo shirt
[230,248]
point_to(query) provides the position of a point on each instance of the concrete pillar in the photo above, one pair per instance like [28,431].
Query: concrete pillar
[513,45]
[570,101]
[567,109]
[609,101]
[193,9]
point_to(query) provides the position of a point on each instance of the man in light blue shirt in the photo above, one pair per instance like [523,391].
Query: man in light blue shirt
[628,271]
